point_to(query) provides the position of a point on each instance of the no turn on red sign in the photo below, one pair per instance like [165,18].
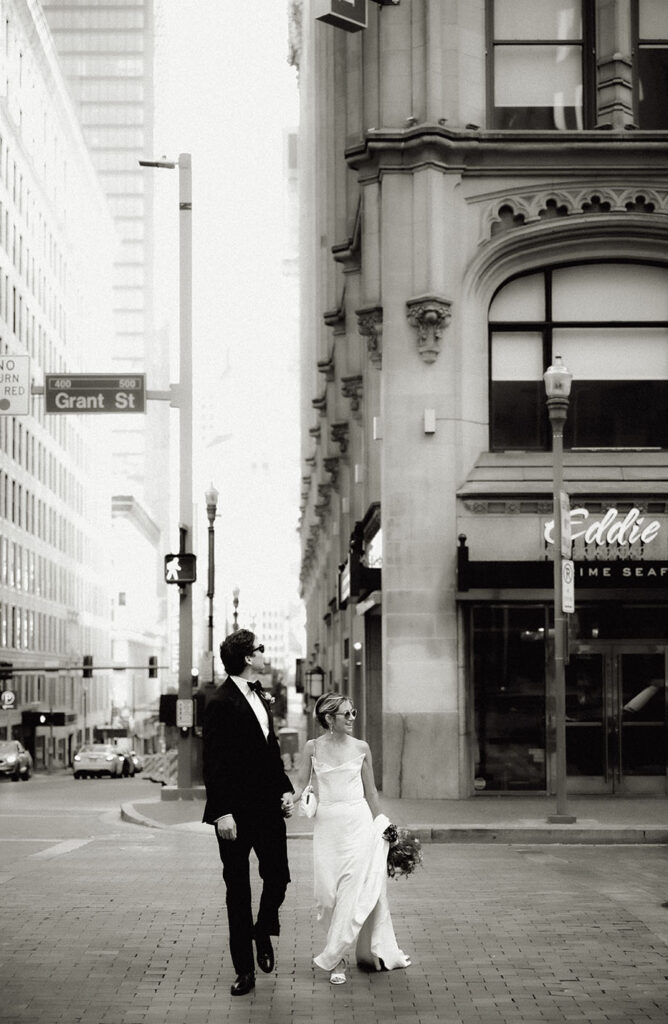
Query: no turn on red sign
[14,385]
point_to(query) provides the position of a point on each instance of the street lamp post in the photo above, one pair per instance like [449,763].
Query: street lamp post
[558,380]
[181,397]
[235,602]
[211,506]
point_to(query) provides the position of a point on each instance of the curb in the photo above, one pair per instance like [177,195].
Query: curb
[539,833]
[535,833]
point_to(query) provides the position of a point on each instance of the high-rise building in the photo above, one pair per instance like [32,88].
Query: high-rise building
[56,245]
[107,53]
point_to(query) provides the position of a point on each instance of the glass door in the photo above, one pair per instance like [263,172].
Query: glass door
[616,718]
[640,726]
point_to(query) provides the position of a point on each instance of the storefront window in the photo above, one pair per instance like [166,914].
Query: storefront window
[609,323]
[536,74]
[508,648]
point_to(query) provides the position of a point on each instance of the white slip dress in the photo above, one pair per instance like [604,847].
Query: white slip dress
[350,871]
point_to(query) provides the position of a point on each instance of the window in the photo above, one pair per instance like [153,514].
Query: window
[540,64]
[650,30]
[609,323]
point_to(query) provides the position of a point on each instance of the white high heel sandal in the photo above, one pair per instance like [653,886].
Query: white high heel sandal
[338,975]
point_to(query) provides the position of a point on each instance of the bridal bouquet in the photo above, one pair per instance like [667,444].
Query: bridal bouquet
[405,851]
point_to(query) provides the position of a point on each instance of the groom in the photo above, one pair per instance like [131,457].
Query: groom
[248,795]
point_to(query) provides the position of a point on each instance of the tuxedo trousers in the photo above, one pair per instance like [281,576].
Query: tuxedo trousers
[265,834]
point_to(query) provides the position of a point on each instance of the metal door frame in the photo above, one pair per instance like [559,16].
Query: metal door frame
[615,781]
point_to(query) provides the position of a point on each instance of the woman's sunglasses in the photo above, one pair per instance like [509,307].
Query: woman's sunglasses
[260,648]
[346,714]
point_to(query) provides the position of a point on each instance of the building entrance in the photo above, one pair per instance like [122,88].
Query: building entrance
[616,718]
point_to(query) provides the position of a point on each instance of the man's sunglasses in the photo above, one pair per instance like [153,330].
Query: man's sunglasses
[260,648]
[350,715]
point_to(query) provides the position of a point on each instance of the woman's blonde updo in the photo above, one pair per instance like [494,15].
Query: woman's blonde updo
[329,704]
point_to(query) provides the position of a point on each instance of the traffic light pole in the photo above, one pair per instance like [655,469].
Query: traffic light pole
[185,750]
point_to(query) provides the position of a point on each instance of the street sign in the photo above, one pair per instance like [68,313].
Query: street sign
[95,392]
[567,586]
[184,713]
[565,512]
[14,385]
[181,568]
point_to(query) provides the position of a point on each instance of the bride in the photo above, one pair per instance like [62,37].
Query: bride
[349,849]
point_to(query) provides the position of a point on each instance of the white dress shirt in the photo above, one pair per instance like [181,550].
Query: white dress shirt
[255,702]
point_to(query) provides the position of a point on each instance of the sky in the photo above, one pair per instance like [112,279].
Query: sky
[227,95]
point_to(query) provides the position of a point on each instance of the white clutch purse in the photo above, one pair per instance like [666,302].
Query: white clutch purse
[308,801]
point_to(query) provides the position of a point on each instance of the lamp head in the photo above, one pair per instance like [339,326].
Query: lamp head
[211,496]
[558,379]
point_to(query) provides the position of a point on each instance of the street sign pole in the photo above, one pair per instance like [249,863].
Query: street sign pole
[186,751]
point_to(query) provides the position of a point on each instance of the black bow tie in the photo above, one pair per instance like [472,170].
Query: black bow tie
[256,687]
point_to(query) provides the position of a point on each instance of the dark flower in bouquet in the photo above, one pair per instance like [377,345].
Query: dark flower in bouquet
[405,852]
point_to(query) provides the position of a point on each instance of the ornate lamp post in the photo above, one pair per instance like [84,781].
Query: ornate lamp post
[558,381]
[211,506]
[235,602]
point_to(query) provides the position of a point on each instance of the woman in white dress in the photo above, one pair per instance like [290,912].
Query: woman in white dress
[349,849]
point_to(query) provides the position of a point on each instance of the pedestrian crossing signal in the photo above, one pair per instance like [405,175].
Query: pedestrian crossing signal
[181,568]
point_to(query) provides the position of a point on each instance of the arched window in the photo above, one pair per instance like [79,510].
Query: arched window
[609,323]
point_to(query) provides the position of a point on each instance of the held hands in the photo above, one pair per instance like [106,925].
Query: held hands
[287,805]
[226,827]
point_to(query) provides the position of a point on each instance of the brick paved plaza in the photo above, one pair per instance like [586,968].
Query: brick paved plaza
[130,928]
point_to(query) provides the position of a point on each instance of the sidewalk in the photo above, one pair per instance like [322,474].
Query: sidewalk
[480,819]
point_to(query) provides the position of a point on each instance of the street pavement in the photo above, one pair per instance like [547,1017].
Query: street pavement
[104,921]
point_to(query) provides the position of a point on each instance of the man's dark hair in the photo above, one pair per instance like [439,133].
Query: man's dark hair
[234,650]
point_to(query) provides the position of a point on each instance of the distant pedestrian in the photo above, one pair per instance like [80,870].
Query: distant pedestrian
[351,841]
[248,795]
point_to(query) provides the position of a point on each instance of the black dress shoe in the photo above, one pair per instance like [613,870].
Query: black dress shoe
[243,984]
[265,953]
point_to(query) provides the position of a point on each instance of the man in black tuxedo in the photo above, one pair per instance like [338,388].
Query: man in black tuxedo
[248,795]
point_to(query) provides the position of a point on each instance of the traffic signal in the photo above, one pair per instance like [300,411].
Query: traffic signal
[153,667]
[181,568]
[32,719]
[88,666]
[167,713]
[6,670]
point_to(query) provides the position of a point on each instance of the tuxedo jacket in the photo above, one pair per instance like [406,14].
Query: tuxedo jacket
[243,771]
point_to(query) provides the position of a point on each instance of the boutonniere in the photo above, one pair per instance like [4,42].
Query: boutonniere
[268,698]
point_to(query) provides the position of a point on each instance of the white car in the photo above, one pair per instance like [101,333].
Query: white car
[97,759]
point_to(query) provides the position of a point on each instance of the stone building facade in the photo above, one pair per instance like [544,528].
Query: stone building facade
[483,188]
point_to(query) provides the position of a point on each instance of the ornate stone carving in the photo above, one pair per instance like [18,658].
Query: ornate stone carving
[331,465]
[336,318]
[320,403]
[339,435]
[326,366]
[429,315]
[352,387]
[370,326]
[531,206]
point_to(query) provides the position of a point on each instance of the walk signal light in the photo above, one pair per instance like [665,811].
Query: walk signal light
[153,667]
[180,568]
[6,670]
[88,666]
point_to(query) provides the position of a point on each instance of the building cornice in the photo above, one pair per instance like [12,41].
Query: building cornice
[477,152]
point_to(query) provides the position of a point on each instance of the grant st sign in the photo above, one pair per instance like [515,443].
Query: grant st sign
[94,392]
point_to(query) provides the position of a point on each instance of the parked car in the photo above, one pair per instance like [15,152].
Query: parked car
[97,759]
[138,761]
[15,760]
